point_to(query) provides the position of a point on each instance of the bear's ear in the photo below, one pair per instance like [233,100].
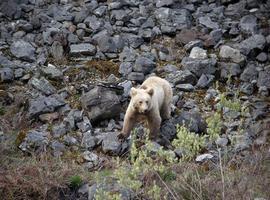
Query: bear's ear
[133,91]
[150,91]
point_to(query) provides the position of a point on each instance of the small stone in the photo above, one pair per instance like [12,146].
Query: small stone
[43,85]
[205,81]
[48,117]
[82,49]
[125,68]
[198,53]
[185,87]
[222,142]
[59,130]
[204,157]
[52,72]
[110,144]
[234,55]
[6,74]
[248,24]
[136,76]
[262,57]
[88,141]
[206,21]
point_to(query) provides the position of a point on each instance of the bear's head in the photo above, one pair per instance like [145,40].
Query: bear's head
[141,99]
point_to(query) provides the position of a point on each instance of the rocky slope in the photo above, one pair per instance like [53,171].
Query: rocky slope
[66,68]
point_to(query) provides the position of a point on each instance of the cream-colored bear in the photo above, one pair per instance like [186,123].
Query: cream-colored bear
[150,102]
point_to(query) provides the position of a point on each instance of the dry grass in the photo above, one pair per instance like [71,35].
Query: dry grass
[35,177]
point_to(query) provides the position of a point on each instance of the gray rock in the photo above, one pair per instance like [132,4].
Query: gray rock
[185,87]
[111,144]
[23,50]
[264,78]
[206,21]
[100,11]
[10,8]
[248,24]
[170,68]
[85,125]
[192,120]
[127,85]
[263,91]
[111,44]
[194,43]
[128,55]
[234,55]
[59,130]
[222,142]
[198,53]
[262,57]
[82,49]
[144,65]
[250,73]
[44,104]
[91,157]
[57,51]
[6,74]
[229,69]
[136,76]
[111,187]
[101,103]
[205,81]
[69,140]
[125,68]
[94,23]
[242,142]
[247,88]
[58,148]
[35,141]
[168,129]
[164,3]
[133,40]
[88,141]
[252,43]
[182,77]
[204,157]
[18,73]
[43,85]
[216,35]
[52,72]
[199,66]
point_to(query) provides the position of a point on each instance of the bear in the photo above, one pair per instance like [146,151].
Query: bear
[151,102]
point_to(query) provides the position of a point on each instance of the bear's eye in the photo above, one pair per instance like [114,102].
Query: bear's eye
[140,102]
[146,102]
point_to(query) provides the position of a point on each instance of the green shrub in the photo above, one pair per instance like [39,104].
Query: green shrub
[190,142]
[214,126]
[75,181]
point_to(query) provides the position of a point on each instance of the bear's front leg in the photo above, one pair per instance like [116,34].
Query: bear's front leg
[154,121]
[129,123]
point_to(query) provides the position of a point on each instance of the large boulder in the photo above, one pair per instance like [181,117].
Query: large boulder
[23,50]
[144,65]
[255,42]
[232,54]
[101,103]
[199,66]
[43,104]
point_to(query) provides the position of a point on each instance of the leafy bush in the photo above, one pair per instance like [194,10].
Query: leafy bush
[214,126]
[190,142]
